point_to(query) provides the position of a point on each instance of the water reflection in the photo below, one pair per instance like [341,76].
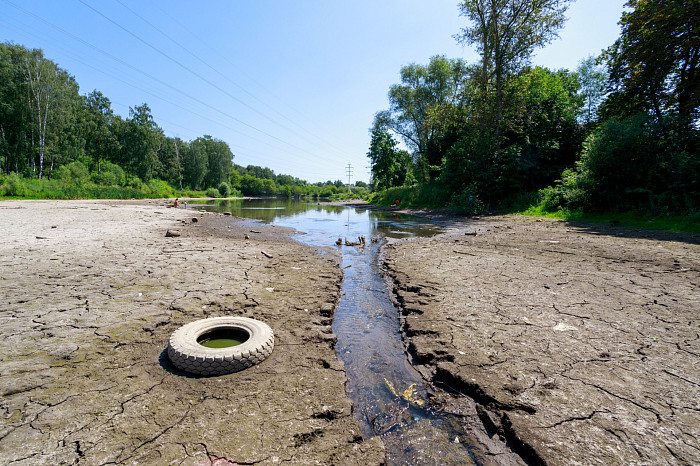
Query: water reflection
[390,397]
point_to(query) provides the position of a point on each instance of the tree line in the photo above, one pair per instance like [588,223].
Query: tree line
[48,130]
[621,132]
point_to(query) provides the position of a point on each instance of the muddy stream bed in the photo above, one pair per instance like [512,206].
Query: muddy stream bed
[390,396]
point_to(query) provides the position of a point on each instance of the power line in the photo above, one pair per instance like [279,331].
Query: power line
[275,97]
[222,75]
[195,74]
[163,83]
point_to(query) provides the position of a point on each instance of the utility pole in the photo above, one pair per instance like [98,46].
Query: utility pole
[349,170]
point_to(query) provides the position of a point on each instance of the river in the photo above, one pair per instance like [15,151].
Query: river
[391,398]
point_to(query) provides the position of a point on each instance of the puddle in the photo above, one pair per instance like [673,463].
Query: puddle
[390,397]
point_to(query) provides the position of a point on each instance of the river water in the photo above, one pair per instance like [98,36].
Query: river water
[390,396]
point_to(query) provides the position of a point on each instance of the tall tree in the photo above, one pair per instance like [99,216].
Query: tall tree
[195,163]
[654,65]
[219,161]
[100,141]
[424,92]
[594,83]
[143,139]
[52,97]
[505,33]
[388,163]
[14,108]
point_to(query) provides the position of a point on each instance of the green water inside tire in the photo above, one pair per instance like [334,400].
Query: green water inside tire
[223,338]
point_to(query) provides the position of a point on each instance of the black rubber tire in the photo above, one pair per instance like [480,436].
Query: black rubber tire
[188,355]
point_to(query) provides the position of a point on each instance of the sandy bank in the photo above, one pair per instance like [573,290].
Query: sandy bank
[580,344]
[90,293]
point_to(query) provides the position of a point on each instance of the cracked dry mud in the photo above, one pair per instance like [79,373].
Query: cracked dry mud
[579,343]
[90,292]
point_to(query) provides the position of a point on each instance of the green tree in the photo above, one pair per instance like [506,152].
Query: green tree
[540,137]
[543,113]
[594,83]
[170,161]
[506,32]
[654,65]
[219,161]
[52,98]
[252,186]
[15,131]
[100,141]
[425,93]
[388,164]
[143,139]
[195,163]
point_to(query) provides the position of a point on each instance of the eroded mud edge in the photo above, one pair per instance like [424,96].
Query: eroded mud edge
[482,417]
[575,343]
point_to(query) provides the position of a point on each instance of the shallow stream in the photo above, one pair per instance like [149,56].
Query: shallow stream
[390,396]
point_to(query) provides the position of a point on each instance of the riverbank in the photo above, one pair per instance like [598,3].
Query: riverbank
[578,342]
[91,292]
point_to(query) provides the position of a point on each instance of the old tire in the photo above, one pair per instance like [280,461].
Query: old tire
[188,355]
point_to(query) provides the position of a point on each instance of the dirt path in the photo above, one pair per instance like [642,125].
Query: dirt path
[90,292]
[580,344]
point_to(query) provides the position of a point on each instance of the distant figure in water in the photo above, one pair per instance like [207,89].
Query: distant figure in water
[395,204]
[176,203]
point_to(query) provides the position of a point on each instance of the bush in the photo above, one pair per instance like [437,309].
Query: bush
[213,192]
[467,202]
[74,173]
[433,194]
[571,192]
[110,175]
[135,182]
[224,189]
[160,189]
[13,186]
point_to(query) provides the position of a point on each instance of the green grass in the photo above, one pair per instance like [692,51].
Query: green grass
[22,188]
[430,196]
[679,223]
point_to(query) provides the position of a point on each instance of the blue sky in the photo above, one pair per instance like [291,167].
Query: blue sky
[292,85]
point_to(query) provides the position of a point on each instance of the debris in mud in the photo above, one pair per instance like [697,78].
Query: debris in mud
[407,394]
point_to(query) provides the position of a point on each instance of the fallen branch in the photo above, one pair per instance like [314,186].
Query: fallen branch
[269,256]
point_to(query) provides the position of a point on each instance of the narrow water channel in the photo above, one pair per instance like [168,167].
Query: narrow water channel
[390,397]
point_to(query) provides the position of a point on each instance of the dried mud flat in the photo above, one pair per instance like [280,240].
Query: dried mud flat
[580,344]
[90,292]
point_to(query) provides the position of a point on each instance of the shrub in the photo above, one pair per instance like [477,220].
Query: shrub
[74,173]
[135,182]
[467,201]
[13,186]
[110,175]
[212,192]
[224,189]
[161,189]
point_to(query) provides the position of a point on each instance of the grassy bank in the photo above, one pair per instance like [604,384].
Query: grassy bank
[679,223]
[432,196]
[14,187]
